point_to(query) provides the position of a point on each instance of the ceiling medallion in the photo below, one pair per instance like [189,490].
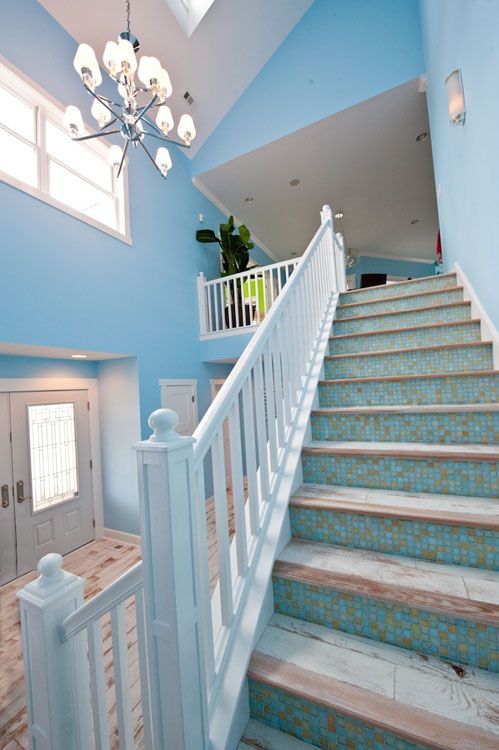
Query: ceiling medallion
[130,117]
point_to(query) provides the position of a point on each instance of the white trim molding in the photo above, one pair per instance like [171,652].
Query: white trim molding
[487,328]
[122,536]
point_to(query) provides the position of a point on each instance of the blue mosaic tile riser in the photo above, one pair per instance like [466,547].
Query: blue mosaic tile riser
[391,290]
[458,334]
[445,477]
[419,362]
[412,628]
[318,726]
[403,320]
[452,545]
[464,389]
[456,428]
[404,303]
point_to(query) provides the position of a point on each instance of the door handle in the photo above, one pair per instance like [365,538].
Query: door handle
[20,490]
[5,495]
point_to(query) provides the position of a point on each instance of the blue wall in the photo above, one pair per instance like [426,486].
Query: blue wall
[392,267]
[340,53]
[464,34]
[45,367]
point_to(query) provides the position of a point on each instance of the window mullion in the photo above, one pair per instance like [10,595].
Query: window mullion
[42,152]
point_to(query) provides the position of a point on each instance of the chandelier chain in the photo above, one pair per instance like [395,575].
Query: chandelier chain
[128,15]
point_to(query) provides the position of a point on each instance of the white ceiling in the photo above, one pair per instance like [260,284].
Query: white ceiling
[216,64]
[364,160]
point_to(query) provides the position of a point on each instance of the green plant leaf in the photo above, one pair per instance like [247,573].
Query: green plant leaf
[206,235]
[244,233]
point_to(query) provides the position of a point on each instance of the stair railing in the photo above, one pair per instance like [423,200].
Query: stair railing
[242,300]
[198,609]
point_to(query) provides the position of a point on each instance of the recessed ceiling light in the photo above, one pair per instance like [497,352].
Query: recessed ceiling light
[249,199]
[79,356]
[339,215]
[414,221]
[294,182]
[423,137]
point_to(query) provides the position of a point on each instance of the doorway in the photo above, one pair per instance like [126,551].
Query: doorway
[46,502]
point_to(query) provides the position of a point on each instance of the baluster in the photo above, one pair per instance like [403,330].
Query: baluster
[144,677]
[221,297]
[229,302]
[243,298]
[265,295]
[292,346]
[274,345]
[272,294]
[271,408]
[222,528]
[283,339]
[250,453]
[206,624]
[121,677]
[210,313]
[98,685]
[257,295]
[261,432]
[286,268]
[215,305]
[238,489]
[235,287]
[279,279]
[202,299]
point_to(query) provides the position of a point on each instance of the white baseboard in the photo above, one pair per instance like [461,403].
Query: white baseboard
[487,328]
[122,536]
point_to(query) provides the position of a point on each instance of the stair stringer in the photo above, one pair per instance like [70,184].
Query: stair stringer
[228,712]
[487,328]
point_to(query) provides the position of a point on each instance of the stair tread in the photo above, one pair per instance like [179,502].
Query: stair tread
[470,593]
[451,509]
[402,283]
[383,300]
[405,330]
[433,347]
[477,452]
[410,376]
[405,311]
[408,409]
[262,737]
[416,697]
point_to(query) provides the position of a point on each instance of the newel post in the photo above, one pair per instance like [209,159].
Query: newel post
[169,549]
[327,215]
[57,694]
[203,312]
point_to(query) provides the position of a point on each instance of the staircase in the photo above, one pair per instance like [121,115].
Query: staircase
[385,632]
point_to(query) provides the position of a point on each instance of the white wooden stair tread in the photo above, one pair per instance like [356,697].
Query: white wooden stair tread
[418,697]
[260,737]
[453,509]
[458,590]
[412,450]
[408,409]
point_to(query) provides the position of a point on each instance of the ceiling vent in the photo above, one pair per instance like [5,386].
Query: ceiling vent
[189,99]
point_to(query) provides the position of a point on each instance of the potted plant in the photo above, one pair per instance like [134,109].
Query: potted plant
[235,258]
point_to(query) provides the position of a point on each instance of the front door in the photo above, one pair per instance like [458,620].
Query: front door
[50,498]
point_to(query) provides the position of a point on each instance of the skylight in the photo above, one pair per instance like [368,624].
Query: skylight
[189,13]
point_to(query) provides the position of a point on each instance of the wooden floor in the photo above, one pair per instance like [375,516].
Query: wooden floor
[99,563]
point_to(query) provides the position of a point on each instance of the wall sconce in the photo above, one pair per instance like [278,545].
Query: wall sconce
[455,97]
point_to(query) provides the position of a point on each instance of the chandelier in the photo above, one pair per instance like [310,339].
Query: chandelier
[129,117]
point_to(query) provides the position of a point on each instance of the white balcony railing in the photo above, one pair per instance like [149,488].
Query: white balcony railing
[228,304]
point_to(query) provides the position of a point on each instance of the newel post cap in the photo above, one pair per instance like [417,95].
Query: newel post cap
[163,422]
[52,583]
[326,213]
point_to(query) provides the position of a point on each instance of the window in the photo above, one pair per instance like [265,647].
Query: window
[190,13]
[37,155]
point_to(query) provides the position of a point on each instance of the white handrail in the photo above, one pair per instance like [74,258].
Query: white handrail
[241,300]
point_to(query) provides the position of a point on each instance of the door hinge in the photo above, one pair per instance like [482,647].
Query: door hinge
[91,464]
[10,436]
[193,398]
[88,405]
[93,522]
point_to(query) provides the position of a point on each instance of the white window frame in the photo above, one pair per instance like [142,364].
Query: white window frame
[49,109]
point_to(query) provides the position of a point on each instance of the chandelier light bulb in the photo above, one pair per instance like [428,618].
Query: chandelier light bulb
[165,85]
[73,121]
[110,57]
[86,65]
[163,160]
[149,70]
[101,113]
[186,129]
[126,56]
[164,119]
[115,156]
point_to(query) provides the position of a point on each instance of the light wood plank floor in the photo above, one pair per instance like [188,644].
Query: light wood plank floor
[99,563]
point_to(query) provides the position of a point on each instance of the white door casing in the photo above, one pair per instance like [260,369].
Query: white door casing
[7,519]
[181,396]
[51,458]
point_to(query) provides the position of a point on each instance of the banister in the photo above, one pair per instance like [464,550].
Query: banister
[255,270]
[117,591]
[218,409]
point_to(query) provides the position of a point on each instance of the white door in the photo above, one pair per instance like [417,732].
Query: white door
[51,471]
[181,396]
[7,518]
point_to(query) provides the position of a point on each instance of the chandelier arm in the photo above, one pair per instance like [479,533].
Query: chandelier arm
[167,140]
[104,103]
[144,109]
[95,135]
[127,143]
[150,157]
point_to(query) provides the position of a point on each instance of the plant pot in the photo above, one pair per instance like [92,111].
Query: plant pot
[244,316]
